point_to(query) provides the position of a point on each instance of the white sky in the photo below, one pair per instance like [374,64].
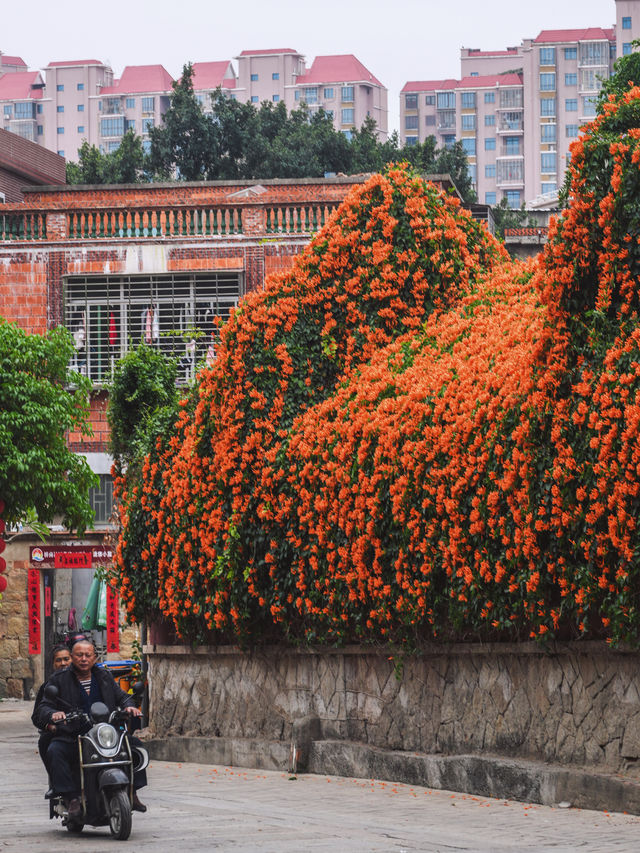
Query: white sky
[397,40]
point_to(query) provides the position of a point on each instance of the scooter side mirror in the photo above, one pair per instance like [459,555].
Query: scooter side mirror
[138,688]
[51,692]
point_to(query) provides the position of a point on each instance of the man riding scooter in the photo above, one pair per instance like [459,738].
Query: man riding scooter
[78,686]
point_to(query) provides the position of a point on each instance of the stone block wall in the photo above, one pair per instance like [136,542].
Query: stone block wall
[19,672]
[576,704]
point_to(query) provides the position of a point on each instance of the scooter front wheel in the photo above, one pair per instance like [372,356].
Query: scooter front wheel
[120,815]
[75,826]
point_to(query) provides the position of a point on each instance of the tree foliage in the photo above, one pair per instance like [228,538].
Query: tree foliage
[126,165]
[40,402]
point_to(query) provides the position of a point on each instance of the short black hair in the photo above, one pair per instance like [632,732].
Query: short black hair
[59,647]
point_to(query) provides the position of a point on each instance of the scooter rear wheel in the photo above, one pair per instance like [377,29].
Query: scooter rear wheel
[120,815]
[75,827]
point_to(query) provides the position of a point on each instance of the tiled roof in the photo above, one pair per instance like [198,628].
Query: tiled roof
[12,60]
[76,62]
[490,80]
[342,68]
[589,34]
[210,75]
[140,79]
[429,85]
[17,86]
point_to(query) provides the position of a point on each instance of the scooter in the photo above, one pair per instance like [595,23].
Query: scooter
[107,762]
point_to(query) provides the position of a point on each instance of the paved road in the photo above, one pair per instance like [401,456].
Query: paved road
[194,808]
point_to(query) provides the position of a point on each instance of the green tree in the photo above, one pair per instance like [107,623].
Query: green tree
[507,217]
[125,165]
[41,400]
[184,142]
[626,73]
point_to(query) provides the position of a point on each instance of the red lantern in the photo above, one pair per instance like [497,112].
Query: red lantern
[3,583]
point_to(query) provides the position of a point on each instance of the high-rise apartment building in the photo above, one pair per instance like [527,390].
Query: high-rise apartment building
[516,111]
[80,100]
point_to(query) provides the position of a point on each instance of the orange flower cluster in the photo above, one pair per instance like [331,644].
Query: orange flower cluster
[408,436]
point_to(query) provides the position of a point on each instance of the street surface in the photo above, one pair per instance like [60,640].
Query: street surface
[194,807]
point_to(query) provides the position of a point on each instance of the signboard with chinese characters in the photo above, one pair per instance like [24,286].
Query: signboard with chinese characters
[33,598]
[113,632]
[70,556]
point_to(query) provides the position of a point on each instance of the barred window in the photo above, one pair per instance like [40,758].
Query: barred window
[175,314]
[101,500]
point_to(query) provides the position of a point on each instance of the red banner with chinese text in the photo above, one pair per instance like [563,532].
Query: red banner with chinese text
[113,632]
[33,596]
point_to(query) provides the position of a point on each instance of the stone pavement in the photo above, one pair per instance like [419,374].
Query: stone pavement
[200,807]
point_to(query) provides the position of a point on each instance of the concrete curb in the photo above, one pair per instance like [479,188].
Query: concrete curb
[481,775]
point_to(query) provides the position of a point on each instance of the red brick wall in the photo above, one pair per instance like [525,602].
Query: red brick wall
[23,291]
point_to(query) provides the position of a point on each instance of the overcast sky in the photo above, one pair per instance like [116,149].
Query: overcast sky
[397,40]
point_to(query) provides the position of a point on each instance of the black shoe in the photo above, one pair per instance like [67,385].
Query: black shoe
[138,806]
[74,808]
[49,794]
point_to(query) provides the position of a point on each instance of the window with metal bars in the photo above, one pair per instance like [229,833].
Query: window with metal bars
[176,314]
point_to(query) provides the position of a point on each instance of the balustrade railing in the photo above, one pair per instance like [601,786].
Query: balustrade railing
[297,218]
[23,226]
[153,222]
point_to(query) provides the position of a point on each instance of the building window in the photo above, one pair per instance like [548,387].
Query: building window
[40,129]
[468,100]
[468,121]
[548,162]
[490,171]
[411,122]
[8,110]
[147,124]
[474,74]
[511,99]
[548,82]
[510,171]
[39,108]
[330,114]
[130,124]
[547,133]
[112,126]
[430,121]
[117,313]
[411,102]
[146,146]
[411,141]
[626,48]
[490,143]
[594,53]
[254,99]
[446,100]
[80,108]
[571,131]
[60,130]
[513,199]
[148,105]
[589,106]
[547,56]
[60,87]
[469,145]
[101,500]
[297,94]
[571,53]
[310,95]
[548,106]
[24,110]
[131,103]
[571,79]
[512,144]
[275,75]
[347,93]
[626,23]
[60,153]
[489,97]
[80,128]
[60,109]
[473,172]
[328,94]
[449,140]
[490,198]
[430,100]
[571,105]
[548,187]
[254,78]
[347,116]
[275,98]
[80,87]
[489,120]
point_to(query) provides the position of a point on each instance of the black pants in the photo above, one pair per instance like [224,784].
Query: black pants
[62,762]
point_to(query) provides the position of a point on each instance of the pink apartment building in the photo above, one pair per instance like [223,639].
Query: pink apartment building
[516,111]
[80,100]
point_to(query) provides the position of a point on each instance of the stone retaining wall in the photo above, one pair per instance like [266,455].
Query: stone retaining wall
[577,704]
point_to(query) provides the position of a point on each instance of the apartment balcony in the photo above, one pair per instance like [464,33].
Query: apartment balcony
[510,123]
[446,120]
[510,171]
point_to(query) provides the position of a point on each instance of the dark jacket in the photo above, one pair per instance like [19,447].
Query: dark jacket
[73,694]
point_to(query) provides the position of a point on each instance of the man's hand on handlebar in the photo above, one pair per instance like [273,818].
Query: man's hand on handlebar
[131,709]
[58,716]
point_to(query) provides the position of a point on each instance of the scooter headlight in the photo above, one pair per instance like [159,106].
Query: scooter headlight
[107,736]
